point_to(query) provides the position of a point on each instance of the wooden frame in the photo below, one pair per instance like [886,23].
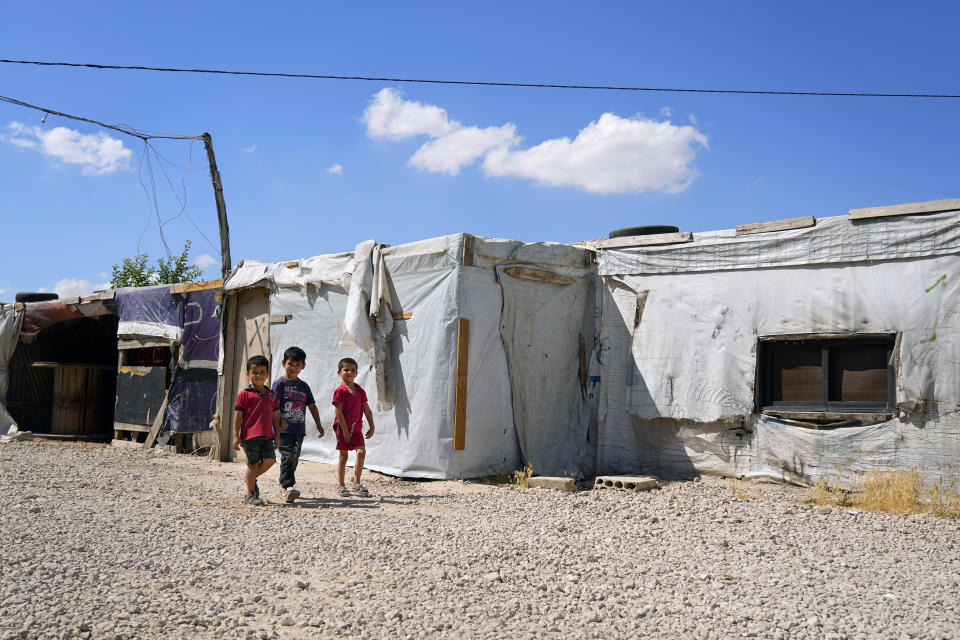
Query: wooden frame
[460,398]
[825,343]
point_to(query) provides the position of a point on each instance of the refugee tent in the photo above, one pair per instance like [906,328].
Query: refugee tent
[796,354]
[11,316]
[102,364]
[473,351]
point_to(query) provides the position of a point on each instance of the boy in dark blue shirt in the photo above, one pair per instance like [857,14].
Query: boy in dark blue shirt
[295,398]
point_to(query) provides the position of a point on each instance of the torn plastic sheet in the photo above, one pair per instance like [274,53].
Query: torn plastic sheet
[11,320]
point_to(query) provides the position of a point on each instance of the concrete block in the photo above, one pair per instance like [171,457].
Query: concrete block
[547,482]
[627,483]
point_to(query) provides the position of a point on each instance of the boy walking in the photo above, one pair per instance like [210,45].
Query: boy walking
[350,401]
[255,425]
[295,399]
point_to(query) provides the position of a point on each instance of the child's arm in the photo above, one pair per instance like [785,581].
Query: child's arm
[369,415]
[278,423]
[345,430]
[237,421]
[316,417]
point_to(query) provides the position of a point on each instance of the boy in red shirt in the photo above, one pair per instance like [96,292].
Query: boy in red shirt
[351,403]
[256,423]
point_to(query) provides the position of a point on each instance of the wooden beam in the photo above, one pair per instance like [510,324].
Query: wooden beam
[460,402]
[405,315]
[186,287]
[227,382]
[157,423]
[776,225]
[282,319]
[539,275]
[469,242]
[911,208]
[644,241]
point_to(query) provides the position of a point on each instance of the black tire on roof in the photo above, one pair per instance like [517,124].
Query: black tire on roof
[35,297]
[646,230]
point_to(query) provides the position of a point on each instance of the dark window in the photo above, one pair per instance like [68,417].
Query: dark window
[827,374]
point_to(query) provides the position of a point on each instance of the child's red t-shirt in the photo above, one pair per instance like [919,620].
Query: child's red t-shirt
[352,406]
[257,411]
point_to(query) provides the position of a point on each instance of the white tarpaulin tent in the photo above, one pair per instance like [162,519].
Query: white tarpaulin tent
[10,318]
[681,325]
[401,313]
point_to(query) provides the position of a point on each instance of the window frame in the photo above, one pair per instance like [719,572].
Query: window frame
[825,342]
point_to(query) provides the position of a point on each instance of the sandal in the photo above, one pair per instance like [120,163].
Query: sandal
[361,490]
[343,492]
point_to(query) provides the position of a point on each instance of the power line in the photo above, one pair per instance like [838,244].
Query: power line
[130,131]
[480,83]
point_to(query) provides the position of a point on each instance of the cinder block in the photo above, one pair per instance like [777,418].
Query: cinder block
[548,482]
[627,483]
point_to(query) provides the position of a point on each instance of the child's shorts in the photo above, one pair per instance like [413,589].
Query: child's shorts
[259,449]
[356,441]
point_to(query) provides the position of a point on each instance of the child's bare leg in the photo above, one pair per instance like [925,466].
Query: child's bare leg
[358,466]
[341,468]
[250,477]
[254,471]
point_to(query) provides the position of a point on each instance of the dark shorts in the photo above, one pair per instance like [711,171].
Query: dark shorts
[259,449]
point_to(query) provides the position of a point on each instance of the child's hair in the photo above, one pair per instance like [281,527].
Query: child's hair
[294,354]
[257,361]
[345,361]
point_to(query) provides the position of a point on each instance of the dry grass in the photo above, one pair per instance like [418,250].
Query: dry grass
[521,477]
[899,492]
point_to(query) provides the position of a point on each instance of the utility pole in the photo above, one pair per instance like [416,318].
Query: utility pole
[221,207]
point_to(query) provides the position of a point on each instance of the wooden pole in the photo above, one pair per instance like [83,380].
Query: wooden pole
[460,401]
[221,207]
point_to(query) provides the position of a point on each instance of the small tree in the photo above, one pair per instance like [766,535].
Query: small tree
[134,272]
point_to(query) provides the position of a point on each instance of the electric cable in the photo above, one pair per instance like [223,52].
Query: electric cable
[477,83]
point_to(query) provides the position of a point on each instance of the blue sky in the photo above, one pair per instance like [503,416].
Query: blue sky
[316,166]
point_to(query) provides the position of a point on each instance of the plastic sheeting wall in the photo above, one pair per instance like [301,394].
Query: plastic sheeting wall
[677,383]
[10,320]
[414,437]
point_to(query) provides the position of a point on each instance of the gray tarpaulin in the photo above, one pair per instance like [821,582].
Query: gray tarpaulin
[681,326]
[10,320]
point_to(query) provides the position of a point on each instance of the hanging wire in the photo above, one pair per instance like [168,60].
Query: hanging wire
[479,83]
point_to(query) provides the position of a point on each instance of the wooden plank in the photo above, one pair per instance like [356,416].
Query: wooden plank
[460,402]
[776,225]
[911,208]
[406,315]
[226,383]
[128,426]
[645,241]
[157,423]
[539,275]
[469,242]
[280,319]
[186,287]
[293,264]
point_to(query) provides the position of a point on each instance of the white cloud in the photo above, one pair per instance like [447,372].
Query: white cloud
[449,153]
[2,291]
[70,287]
[249,149]
[205,260]
[611,155]
[666,112]
[390,116]
[102,275]
[97,154]
[336,169]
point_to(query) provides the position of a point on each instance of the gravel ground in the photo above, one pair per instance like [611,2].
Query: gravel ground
[102,542]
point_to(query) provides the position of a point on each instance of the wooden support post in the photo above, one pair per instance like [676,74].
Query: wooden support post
[460,403]
[222,450]
[157,423]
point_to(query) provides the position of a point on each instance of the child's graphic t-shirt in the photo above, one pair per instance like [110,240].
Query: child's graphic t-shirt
[295,396]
